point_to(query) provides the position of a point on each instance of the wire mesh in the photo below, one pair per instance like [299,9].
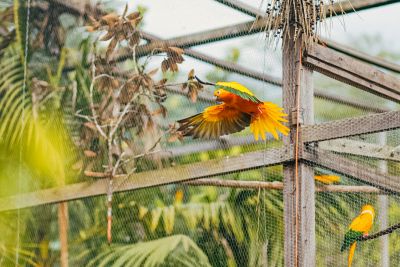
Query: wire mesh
[96,108]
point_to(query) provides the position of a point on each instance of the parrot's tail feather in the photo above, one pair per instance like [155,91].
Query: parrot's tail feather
[351,253]
[268,119]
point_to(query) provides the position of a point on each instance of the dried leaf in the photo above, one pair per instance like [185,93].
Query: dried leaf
[192,94]
[162,82]
[184,86]
[152,72]
[90,125]
[107,36]
[175,137]
[90,28]
[109,19]
[165,65]
[162,110]
[110,48]
[90,153]
[175,50]
[125,10]
[134,39]
[133,16]
[191,74]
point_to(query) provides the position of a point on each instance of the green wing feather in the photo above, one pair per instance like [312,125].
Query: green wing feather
[243,95]
[349,238]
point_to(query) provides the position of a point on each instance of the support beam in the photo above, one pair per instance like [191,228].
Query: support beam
[362,56]
[353,169]
[346,69]
[298,178]
[352,126]
[276,185]
[360,148]
[383,204]
[176,174]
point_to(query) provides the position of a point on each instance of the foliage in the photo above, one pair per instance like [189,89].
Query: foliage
[176,250]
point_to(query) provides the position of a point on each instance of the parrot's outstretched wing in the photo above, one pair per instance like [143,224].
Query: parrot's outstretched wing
[214,121]
[238,89]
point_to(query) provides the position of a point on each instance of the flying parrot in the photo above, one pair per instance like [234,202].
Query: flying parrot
[358,227]
[239,108]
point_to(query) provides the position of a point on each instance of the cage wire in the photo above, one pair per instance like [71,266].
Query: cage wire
[86,124]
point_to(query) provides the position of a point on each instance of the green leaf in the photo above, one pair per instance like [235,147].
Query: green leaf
[176,250]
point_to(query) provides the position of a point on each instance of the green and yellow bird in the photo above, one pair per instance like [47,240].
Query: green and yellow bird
[240,108]
[358,227]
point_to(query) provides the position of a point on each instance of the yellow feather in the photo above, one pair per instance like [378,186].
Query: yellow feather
[351,253]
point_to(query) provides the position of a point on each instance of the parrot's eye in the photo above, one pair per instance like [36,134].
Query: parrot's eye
[218,92]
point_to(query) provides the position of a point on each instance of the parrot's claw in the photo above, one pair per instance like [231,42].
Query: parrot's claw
[365,235]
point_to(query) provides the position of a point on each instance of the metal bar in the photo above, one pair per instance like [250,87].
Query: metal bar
[176,174]
[353,72]
[351,168]
[352,126]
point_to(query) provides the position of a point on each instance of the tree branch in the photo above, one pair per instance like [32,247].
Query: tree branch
[381,233]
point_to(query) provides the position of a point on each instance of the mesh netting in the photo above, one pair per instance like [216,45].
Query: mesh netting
[95,170]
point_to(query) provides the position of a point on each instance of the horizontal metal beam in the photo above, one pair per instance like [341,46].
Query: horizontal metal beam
[351,168]
[176,174]
[353,72]
[351,126]
[359,148]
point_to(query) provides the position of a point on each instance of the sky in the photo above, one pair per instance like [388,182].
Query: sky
[174,18]
[190,16]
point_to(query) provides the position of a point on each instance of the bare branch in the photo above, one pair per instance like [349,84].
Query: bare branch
[388,230]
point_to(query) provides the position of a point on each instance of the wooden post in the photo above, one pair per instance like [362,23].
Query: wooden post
[383,213]
[298,191]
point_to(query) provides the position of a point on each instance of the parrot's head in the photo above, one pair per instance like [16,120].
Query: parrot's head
[368,208]
[222,95]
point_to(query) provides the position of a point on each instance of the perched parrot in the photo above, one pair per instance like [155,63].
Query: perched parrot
[239,108]
[358,227]
[327,178]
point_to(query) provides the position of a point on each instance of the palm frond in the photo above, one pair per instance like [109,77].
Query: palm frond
[176,250]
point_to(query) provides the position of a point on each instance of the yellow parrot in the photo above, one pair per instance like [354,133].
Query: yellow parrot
[358,227]
[240,108]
